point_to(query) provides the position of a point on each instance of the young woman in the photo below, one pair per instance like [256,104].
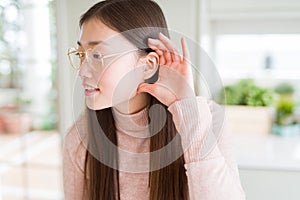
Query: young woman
[140,97]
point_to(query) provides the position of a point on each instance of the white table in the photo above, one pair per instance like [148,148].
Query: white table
[269,166]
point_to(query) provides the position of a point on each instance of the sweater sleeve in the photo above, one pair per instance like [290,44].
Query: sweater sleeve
[208,152]
[73,165]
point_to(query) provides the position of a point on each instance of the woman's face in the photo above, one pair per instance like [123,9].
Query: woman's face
[116,81]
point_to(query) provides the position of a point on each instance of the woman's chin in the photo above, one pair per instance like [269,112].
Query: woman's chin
[94,106]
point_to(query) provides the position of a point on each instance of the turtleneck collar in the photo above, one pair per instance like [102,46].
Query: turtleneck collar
[135,124]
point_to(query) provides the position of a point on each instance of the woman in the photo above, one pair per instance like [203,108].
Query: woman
[128,66]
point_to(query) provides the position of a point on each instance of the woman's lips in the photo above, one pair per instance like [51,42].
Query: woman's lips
[90,92]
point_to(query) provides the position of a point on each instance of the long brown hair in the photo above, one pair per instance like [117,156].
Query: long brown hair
[102,181]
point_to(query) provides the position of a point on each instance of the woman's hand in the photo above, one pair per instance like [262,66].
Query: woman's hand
[175,79]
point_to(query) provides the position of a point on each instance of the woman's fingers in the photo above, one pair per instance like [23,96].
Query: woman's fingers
[170,46]
[175,75]
[168,58]
[166,47]
[157,44]
[163,56]
[159,49]
[168,52]
[185,51]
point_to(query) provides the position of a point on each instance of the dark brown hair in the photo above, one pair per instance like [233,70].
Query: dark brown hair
[102,181]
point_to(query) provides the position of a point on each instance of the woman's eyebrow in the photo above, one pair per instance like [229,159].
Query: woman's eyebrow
[92,43]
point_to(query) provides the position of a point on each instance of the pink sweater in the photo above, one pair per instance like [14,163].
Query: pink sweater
[212,172]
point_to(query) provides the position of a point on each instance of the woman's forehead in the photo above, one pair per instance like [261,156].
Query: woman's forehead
[113,41]
[94,32]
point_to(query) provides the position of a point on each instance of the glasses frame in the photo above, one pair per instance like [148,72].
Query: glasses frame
[73,50]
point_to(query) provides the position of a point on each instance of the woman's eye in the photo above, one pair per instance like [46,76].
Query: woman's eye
[96,56]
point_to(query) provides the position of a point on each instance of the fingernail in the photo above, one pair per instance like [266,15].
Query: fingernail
[150,40]
[162,35]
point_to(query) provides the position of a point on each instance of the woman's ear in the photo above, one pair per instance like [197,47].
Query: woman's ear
[151,63]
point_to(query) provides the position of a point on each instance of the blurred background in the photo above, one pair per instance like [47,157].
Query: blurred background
[255,46]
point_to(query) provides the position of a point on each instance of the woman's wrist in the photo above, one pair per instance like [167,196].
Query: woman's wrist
[192,119]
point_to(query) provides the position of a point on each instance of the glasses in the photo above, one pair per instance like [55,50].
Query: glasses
[92,56]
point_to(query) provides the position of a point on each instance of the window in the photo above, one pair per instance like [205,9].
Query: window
[250,55]
[28,113]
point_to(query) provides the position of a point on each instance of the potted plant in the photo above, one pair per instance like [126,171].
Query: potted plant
[16,120]
[285,123]
[248,107]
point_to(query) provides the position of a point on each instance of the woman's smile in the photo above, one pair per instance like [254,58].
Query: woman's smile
[88,92]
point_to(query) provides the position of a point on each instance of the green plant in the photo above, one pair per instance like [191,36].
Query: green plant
[259,97]
[285,112]
[245,92]
[232,96]
[285,104]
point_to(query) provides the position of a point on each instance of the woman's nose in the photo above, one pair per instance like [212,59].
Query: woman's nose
[84,70]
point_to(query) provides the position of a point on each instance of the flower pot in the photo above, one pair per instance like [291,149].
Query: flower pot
[249,119]
[16,123]
[3,111]
[292,130]
[1,125]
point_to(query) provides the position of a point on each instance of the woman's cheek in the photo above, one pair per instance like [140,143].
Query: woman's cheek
[121,87]
[121,79]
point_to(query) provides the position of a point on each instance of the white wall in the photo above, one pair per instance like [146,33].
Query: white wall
[181,16]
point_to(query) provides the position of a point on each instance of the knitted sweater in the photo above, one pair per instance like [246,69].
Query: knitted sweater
[211,169]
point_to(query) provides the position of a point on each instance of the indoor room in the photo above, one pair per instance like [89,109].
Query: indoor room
[243,54]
